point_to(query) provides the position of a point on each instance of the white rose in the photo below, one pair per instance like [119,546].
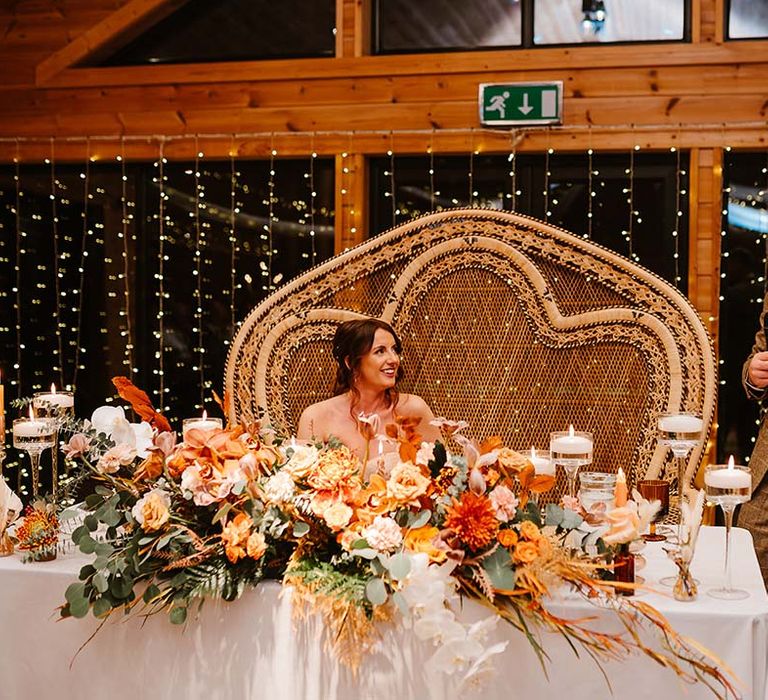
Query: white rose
[384,535]
[302,459]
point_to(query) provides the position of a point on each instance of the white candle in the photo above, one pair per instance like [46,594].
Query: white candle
[681,423]
[571,443]
[542,464]
[728,477]
[58,400]
[203,423]
[32,427]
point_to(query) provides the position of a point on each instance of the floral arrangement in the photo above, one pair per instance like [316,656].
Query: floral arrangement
[173,522]
[38,533]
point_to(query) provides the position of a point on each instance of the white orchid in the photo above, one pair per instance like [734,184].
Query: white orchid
[111,421]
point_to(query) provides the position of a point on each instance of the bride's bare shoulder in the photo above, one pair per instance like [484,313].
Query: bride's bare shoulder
[414,403]
[318,416]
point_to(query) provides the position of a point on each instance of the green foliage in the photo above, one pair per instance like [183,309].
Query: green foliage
[498,566]
[440,457]
[325,579]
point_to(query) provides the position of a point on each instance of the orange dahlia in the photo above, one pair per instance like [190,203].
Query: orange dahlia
[473,520]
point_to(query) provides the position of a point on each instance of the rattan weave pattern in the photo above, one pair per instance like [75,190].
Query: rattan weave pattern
[514,325]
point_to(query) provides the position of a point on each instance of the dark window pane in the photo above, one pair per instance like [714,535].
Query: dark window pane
[580,21]
[747,19]
[654,196]
[234,30]
[405,25]
[742,286]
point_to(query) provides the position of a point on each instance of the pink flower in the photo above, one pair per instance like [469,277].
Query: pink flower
[115,457]
[77,446]
[504,503]
[384,535]
[165,442]
[571,503]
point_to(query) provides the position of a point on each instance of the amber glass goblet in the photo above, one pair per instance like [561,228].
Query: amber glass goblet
[655,490]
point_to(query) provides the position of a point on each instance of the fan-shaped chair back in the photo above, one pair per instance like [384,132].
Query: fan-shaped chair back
[511,324]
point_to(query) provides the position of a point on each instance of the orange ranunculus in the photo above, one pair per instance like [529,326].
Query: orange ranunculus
[525,552]
[507,538]
[235,536]
[422,539]
[530,531]
[473,520]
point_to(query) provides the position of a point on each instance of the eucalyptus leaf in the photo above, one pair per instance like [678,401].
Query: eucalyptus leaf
[86,572]
[399,566]
[376,591]
[554,514]
[79,607]
[69,513]
[91,522]
[360,544]
[498,566]
[79,532]
[74,592]
[420,519]
[222,512]
[120,586]
[151,592]
[104,549]
[365,553]
[101,607]
[100,562]
[178,615]
[93,499]
[571,519]
[112,518]
[87,544]
[300,529]
[100,582]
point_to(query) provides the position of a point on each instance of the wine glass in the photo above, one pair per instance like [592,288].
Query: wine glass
[571,450]
[680,432]
[655,490]
[34,435]
[728,486]
[59,407]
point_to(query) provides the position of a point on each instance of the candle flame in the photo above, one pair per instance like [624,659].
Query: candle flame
[53,388]
[621,476]
[31,413]
[205,415]
[730,462]
[533,452]
[570,430]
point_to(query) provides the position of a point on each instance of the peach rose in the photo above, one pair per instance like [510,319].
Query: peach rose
[337,515]
[624,526]
[335,469]
[152,510]
[406,483]
[525,552]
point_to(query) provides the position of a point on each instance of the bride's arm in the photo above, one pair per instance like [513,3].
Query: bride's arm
[307,429]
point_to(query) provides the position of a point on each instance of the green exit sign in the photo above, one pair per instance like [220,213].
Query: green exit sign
[511,104]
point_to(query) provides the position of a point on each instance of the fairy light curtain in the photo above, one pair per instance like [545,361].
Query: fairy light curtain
[114,267]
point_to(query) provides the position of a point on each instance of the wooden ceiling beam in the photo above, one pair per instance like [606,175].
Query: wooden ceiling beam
[114,31]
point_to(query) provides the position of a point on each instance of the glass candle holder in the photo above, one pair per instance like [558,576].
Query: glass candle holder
[571,450]
[597,488]
[201,423]
[34,435]
[58,406]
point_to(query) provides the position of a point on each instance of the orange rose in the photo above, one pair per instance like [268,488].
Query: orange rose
[507,538]
[525,552]
[256,545]
[530,531]
[422,540]
[335,469]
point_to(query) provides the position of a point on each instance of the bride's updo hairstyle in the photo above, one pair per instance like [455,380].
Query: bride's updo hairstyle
[352,341]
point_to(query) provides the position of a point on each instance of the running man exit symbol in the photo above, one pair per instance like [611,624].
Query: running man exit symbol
[508,104]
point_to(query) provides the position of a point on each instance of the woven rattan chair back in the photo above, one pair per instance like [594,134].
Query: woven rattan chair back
[511,324]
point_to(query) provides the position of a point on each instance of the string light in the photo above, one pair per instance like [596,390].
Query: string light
[198,293]
[547,173]
[160,276]
[678,215]
[125,274]
[431,152]
[19,253]
[233,209]
[58,351]
[630,190]
[312,198]
[271,219]
[79,350]
[471,175]
[512,159]
[590,187]
[392,192]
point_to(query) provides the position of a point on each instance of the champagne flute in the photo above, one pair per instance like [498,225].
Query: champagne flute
[34,435]
[728,486]
[655,490]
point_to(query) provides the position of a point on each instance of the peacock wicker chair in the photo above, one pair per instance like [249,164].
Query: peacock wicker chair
[514,325]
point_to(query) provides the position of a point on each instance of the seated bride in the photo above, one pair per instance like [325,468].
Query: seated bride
[367,353]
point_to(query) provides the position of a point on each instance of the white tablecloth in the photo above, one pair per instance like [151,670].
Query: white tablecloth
[252,649]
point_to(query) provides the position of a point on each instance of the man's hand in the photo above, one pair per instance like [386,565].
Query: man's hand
[758,370]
